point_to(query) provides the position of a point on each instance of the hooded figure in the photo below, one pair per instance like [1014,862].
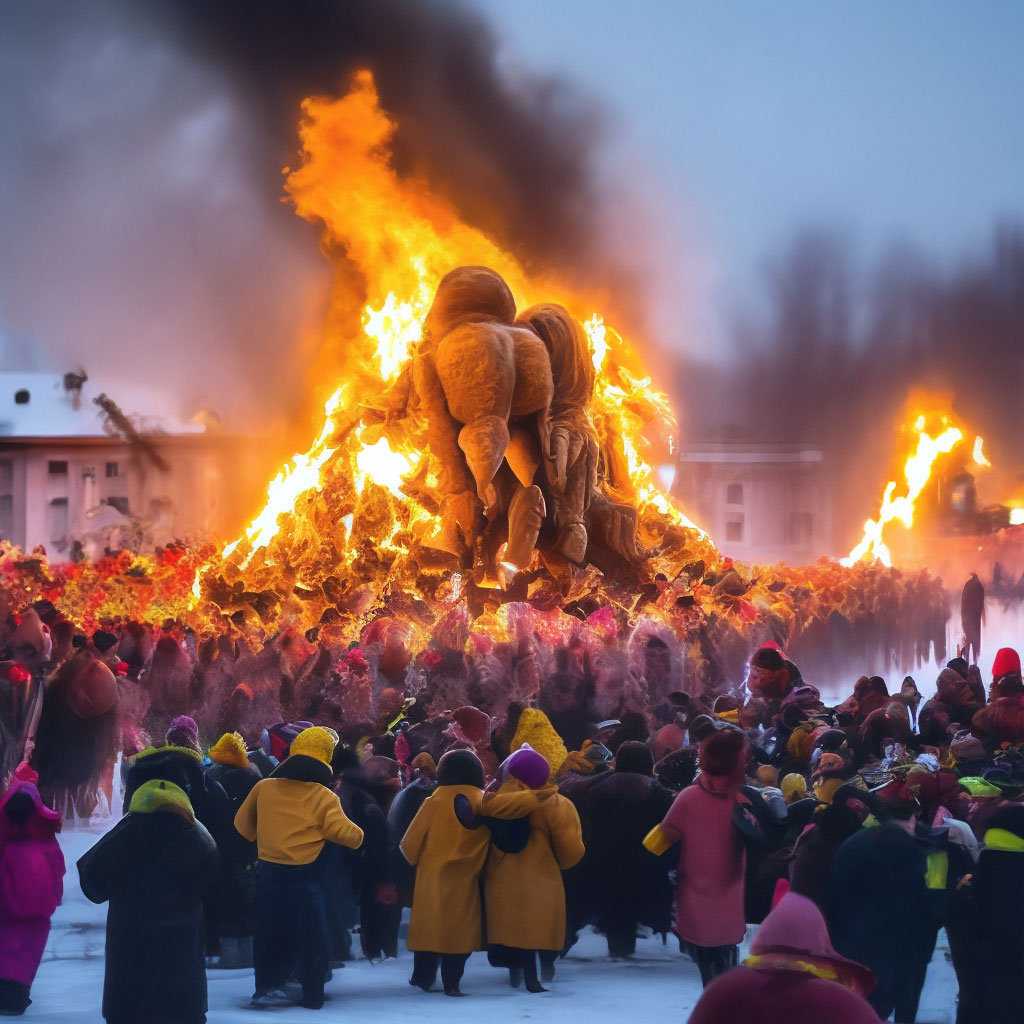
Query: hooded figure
[31,886]
[523,892]
[792,976]
[710,918]
[769,678]
[447,920]
[76,744]
[954,701]
[290,816]
[154,867]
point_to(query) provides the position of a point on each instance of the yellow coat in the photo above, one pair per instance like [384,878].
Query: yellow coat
[446,912]
[290,820]
[523,892]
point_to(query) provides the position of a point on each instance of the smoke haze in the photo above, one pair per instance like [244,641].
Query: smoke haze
[142,171]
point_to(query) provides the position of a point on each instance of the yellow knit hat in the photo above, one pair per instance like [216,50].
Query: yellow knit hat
[230,749]
[158,796]
[315,742]
[794,787]
[535,729]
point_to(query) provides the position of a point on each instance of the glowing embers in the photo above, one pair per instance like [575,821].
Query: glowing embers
[383,466]
[395,328]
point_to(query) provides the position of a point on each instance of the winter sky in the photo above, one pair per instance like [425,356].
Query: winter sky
[890,120]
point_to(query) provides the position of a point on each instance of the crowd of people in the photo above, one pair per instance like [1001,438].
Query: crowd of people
[508,821]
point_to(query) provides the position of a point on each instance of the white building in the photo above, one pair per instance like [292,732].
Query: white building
[761,503]
[68,474]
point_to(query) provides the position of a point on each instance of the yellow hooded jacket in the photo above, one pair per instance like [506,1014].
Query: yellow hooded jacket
[293,813]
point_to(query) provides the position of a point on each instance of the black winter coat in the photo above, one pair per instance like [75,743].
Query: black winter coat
[619,881]
[237,880]
[400,814]
[881,913]
[378,922]
[987,941]
[154,869]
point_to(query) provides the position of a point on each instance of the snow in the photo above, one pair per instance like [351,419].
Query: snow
[658,984]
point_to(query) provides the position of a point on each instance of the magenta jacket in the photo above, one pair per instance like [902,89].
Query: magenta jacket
[31,885]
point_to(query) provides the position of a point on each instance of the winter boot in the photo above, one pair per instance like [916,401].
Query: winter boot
[530,976]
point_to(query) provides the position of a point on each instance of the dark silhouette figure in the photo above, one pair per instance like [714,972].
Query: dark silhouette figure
[972,614]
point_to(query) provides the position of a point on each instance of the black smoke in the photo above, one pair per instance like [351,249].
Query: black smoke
[141,156]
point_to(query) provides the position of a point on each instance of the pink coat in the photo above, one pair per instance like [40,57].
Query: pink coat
[31,886]
[709,889]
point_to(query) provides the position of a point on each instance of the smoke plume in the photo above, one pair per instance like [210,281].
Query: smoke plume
[141,168]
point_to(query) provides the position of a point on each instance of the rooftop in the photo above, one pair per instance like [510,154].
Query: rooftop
[43,405]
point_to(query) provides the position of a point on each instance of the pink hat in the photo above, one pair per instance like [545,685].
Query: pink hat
[796,933]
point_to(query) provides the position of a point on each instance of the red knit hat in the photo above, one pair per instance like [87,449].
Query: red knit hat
[1007,660]
[723,753]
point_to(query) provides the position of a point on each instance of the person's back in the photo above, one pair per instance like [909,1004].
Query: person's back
[523,891]
[710,912]
[779,997]
[154,868]
[231,921]
[290,816]
[882,913]
[985,923]
[618,883]
[446,924]
[793,975]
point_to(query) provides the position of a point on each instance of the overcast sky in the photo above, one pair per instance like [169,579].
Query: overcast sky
[888,119]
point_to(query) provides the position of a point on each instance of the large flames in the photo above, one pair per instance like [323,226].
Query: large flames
[932,436]
[362,496]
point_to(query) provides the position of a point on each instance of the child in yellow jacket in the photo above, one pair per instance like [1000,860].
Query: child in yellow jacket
[290,816]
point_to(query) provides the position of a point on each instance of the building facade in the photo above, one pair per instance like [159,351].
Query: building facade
[74,482]
[761,503]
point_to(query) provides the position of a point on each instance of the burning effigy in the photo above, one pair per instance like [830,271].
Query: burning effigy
[477,522]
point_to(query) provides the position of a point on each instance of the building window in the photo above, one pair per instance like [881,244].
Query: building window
[121,504]
[734,531]
[21,397]
[58,467]
[7,517]
[800,531]
[59,524]
[734,495]
[113,469]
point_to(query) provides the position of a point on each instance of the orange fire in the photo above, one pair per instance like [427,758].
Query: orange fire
[367,477]
[916,472]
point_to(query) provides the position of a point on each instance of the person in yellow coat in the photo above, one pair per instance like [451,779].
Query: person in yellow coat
[289,816]
[524,897]
[447,921]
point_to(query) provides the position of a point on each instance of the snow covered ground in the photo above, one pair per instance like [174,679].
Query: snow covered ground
[659,984]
